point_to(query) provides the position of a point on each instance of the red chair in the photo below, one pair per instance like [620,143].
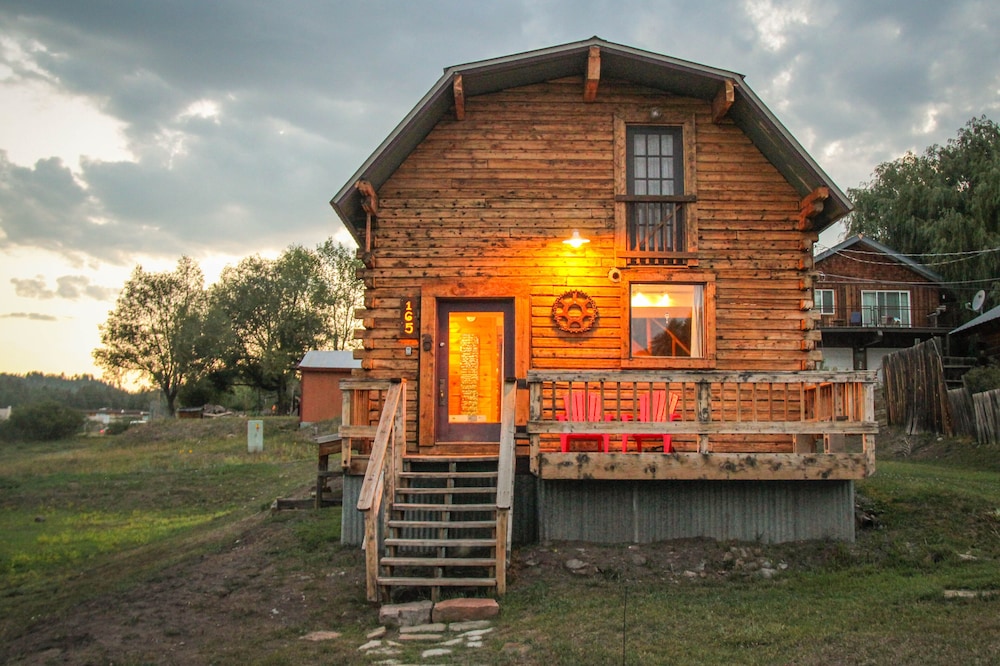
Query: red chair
[655,413]
[579,408]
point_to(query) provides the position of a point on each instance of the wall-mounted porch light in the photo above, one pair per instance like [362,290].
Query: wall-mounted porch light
[576,240]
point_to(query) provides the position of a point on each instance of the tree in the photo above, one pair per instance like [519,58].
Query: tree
[157,329]
[945,202]
[42,421]
[277,310]
[340,266]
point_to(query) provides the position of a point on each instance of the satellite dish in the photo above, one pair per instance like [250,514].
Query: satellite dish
[978,300]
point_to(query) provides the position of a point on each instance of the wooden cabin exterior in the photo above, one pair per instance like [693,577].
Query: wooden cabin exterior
[592,224]
[873,301]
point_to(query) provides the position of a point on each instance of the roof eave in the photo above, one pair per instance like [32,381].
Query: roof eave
[617,62]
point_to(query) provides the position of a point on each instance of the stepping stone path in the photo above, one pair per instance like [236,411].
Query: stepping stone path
[446,628]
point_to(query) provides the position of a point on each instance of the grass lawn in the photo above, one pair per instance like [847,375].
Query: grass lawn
[158,546]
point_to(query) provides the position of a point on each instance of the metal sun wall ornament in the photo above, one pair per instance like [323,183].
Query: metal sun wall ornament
[574,312]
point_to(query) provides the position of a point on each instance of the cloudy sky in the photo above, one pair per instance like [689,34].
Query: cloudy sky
[137,131]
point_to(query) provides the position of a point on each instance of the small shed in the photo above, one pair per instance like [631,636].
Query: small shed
[321,372]
[986,329]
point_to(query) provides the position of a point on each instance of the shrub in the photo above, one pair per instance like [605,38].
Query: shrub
[42,421]
[984,378]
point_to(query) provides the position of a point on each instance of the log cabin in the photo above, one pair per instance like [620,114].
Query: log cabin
[588,316]
[873,301]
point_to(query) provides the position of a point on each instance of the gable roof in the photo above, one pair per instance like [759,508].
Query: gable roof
[322,359]
[916,267]
[992,314]
[671,75]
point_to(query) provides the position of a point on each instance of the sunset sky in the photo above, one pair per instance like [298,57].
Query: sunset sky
[134,132]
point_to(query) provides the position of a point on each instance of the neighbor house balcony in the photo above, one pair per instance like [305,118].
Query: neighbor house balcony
[875,317]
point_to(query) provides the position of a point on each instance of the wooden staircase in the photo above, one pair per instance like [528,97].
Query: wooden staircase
[441,530]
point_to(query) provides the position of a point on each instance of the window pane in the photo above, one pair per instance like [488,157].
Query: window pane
[667,144]
[639,143]
[667,320]
[652,144]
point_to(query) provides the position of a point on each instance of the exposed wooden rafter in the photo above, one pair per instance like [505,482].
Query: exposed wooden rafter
[369,201]
[723,100]
[459,91]
[811,206]
[593,74]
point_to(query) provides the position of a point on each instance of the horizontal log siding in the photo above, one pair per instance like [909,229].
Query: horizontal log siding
[494,195]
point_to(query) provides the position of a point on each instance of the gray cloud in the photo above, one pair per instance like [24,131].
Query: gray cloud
[33,316]
[69,287]
[305,90]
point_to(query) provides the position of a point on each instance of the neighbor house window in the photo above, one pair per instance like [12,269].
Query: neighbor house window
[885,308]
[824,301]
[667,320]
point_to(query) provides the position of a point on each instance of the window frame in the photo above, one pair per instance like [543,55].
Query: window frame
[907,310]
[685,123]
[703,279]
[821,307]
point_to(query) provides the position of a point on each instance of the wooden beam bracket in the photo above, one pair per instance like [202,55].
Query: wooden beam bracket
[811,206]
[593,74]
[459,91]
[723,101]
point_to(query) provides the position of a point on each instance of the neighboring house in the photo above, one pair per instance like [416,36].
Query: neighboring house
[984,331]
[322,372]
[873,301]
[553,242]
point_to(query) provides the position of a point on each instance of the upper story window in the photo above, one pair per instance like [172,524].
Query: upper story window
[824,301]
[653,190]
[885,308]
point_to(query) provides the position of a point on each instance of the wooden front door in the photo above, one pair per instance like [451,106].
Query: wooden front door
[475,353]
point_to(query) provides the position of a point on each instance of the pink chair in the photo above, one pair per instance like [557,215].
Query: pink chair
[582,406]
[655,413]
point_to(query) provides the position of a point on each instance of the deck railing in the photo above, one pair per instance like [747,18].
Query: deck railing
[505,484]
[379,487]
[718,413]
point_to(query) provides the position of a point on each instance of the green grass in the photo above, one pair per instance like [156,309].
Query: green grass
[89,520]
[132,504]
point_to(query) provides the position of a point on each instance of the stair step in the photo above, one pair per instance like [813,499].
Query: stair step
[445,525]
[463,490]
[438,561]
[436,582]
[410,506]
[448,475]
[441,543]
[450,459]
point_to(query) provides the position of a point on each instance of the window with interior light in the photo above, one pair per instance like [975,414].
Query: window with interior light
[670,324]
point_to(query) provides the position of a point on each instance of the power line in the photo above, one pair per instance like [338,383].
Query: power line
[853,278]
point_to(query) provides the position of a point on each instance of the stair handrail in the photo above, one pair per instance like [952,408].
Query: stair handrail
[384,464]
[505,483]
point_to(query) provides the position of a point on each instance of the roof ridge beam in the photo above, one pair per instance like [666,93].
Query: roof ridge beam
[593,74]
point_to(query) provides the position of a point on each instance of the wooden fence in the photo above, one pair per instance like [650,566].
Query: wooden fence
[916,395]
[976,414]
[917,398]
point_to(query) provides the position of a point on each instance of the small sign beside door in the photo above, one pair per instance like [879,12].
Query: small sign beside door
[408,320]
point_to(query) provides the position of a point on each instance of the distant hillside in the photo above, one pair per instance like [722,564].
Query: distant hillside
[80,392]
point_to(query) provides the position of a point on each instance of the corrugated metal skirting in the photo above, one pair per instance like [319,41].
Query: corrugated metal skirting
[648,511]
